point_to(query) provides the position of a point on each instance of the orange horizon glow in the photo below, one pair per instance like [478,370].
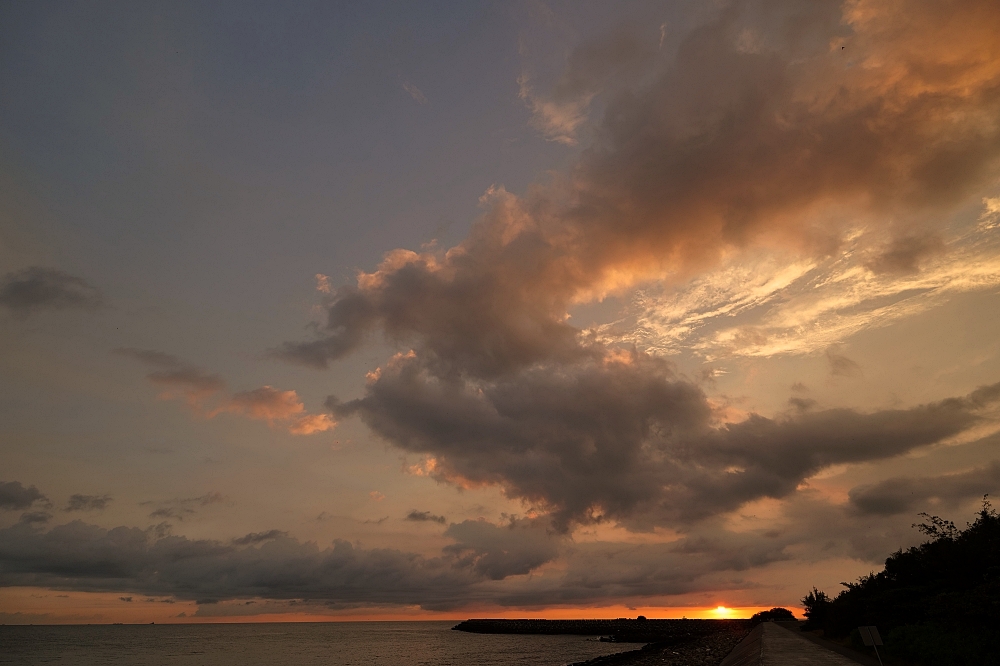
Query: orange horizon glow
[602,613]
[44,606]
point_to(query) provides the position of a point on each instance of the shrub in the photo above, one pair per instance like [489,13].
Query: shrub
[936,603]
[775,614]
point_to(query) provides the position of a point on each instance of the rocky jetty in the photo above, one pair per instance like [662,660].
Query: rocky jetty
[622,630]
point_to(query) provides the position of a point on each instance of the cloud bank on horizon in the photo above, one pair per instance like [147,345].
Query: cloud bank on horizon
[788,175]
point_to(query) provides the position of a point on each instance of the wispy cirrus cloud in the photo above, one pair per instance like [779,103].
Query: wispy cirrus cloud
[789,306]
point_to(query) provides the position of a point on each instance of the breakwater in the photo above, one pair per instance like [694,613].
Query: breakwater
[622,630]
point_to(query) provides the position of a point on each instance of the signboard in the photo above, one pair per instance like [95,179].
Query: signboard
[870,635]
[871,638]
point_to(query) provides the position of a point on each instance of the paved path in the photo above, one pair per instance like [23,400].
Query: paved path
[783,648]
[770,644]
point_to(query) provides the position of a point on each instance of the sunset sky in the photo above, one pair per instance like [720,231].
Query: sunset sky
[449,309]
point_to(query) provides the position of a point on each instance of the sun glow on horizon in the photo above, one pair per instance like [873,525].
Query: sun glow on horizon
[722,612]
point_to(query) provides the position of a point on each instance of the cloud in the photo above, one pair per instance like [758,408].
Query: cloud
[269,404]
[903,255]
[311,423]
[266,404]
[900,495]
[181,508]
[415,93]
[597,67]
[497,551]
[840,365]
[424,516]
[557,120]
[86,557]
[758,138]
[790,305]
[175,377]
[207,395]
[623,438]
[718,150]
[14,496]
[496,564]
[87,502]
[272,565]
[36,288]
[258,537]
[35,517]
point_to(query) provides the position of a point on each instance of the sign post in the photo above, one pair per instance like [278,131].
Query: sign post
[871,638]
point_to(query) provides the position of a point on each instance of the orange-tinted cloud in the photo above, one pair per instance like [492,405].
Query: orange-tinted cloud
[777,125]
[265,404]
[271,405]
[762,130]
[206,394]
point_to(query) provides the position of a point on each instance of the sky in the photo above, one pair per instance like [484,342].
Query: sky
[437,310]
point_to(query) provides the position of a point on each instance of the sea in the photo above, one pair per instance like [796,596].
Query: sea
[298,644]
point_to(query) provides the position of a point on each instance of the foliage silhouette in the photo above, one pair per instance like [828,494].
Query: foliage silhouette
[775,614]
[937,603]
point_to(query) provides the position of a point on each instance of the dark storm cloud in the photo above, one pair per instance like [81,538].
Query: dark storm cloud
[612,572]
[86,557]
[424,517]
[626,439]
[498,551]
[37,288]
[709,557]
[14,496]
[88,502]
[902,495]
[153,564]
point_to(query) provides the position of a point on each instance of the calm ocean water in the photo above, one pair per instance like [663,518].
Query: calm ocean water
[330,644]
